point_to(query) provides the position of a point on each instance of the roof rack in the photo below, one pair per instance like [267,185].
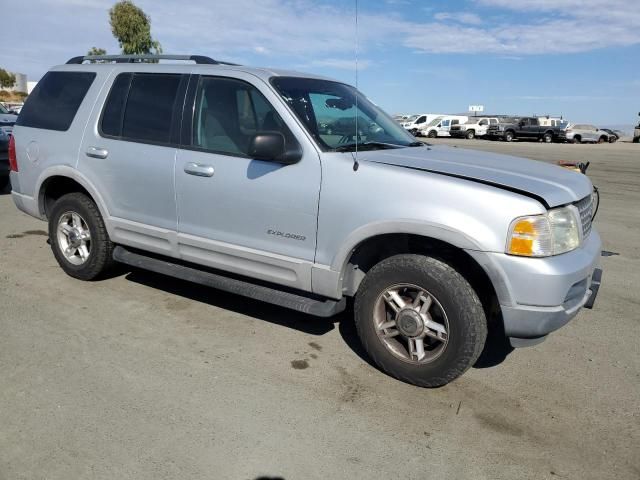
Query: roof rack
[199,59]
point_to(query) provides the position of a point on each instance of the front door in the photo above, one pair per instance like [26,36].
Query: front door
[235,213]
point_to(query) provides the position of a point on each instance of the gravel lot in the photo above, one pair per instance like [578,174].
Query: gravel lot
[145,377]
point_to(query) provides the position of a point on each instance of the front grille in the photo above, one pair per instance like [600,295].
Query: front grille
[585,207]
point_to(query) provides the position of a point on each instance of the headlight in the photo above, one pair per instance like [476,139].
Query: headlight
[544,235]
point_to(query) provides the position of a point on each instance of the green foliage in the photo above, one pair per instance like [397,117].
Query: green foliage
[7,80]
[132,28]
[96,51]
[4,94]
[21,95]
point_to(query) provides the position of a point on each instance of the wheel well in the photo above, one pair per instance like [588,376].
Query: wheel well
[509,130]
[375,249]
[548,132]
[55,187]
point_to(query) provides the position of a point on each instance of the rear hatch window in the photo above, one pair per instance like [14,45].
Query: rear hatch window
[54,102]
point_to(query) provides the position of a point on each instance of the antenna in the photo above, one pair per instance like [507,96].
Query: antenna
[355,159]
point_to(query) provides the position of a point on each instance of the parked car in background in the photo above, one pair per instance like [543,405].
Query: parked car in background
[525,128]
[415,123]
[585,133]
[614,135]
[474,127]
[7,119]
[636,133]
[440,126]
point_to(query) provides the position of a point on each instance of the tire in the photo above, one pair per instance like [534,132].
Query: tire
[99,258]
[470,135]
[547,138]
[577,139]
[414,132]
[432,134]
[454,303]
[508,136]
[603,139]
[636,139]
[4,181]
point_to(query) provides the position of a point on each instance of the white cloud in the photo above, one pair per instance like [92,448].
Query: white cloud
[462,17]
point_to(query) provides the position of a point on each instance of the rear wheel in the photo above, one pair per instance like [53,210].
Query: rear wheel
[470,134]
[509,136]
[4,181]
[547,138]
[432,134]
[79,238]
[603,139]
[419,320]
[577,139]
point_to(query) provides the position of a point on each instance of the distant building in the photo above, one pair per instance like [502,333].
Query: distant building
[21,83]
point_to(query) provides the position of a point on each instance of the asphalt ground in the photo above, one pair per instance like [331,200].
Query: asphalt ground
[145,377]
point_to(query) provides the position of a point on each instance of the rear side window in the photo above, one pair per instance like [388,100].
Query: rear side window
[54,102]
[140,107]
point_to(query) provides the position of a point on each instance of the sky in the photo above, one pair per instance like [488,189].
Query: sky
[576,58]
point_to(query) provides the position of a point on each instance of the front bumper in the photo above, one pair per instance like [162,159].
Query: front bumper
[540,295]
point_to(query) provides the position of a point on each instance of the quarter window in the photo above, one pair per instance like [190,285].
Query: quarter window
[229,113]
[54,102]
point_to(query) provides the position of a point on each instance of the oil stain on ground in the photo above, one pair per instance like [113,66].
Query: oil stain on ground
[41,233]
[300,364]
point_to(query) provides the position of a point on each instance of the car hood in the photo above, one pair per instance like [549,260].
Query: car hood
[552,184]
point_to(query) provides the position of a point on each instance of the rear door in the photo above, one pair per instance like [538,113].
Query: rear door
[235,213]
[129,153]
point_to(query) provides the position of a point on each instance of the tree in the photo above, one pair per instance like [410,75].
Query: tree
[7,79]
[132,28]
[96,51]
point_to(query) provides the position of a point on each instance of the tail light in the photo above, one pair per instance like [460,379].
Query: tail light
[13,160]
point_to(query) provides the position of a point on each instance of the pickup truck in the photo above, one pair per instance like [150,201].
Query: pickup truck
[526,128]
[474,127]
[636,133]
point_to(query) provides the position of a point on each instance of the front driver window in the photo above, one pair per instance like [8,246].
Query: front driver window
[229,113]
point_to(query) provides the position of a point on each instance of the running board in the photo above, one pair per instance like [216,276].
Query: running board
[293,301]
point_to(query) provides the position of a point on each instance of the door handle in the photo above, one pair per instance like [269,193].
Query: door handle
[198,169]
[96,152]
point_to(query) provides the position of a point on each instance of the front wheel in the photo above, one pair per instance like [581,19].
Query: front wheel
[79,238]
[547,138]
[470,135]
[432,134]
[419,320]
[4,181]
[508,137]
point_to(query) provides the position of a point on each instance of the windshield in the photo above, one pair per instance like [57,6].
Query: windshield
[412,118]
[328,111]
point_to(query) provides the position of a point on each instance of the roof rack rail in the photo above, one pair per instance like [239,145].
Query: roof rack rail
[199,59]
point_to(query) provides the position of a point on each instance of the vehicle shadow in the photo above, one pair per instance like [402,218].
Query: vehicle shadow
[235,303]
[495,352]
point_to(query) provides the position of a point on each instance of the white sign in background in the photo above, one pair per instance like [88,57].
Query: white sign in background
[476,108]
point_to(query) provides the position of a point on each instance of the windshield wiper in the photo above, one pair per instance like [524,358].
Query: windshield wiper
[350,147]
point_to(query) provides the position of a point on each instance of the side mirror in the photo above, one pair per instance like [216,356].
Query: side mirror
[271,146]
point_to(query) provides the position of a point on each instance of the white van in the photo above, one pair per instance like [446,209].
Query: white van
[416,122]
[440,126]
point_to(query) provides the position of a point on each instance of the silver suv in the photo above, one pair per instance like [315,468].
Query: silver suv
[219,174]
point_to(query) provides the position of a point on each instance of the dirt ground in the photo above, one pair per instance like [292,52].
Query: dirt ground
[146,377]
